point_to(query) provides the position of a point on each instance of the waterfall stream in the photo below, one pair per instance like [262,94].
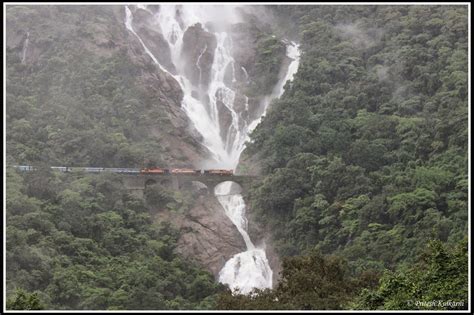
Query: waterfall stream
[25,47]
[249,269]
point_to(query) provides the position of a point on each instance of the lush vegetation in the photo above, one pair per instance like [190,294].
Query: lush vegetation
[24,301]
[364,161]
[437,281]
[269,57]
[365,155]
[308,282]
[84,243]
[78,99]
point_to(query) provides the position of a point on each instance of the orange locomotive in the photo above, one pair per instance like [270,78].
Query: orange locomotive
[184,171]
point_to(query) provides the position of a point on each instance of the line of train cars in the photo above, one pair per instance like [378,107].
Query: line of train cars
[134,171]
[187,171]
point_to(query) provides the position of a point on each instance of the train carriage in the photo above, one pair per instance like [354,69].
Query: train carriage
[154,170]
[59,168]
[91,169]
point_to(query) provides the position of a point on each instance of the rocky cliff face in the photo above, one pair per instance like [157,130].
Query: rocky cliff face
[207,236]
[198,54]
[96,32]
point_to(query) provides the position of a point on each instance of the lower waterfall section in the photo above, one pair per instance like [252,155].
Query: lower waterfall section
[250,269]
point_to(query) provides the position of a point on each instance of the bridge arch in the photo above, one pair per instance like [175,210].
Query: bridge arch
[227,187]
[150,182]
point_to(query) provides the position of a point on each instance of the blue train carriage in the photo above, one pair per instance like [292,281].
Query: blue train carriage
[24,168]
[63,169]
[132,171]
[75,169]
[93,169]
[123,170]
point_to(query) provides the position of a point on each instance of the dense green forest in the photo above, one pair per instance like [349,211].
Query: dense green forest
[315,282]
[364,163]
[83,242]
[365,155]
[79,98]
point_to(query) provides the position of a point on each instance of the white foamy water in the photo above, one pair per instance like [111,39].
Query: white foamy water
[249,269]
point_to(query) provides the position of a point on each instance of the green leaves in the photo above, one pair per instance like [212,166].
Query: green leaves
[312,282]
[23,300]
[374,130]
[438,278]
[90,246]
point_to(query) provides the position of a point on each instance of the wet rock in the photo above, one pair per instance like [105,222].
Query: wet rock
[229,76]
[207,235]
[158,46]
[244,38]
[197,54]
[225,118]
[240,102]
[152,38]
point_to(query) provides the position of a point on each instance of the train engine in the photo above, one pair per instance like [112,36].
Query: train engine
[187,171]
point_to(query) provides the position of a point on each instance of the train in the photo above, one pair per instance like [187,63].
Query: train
[134,171]
[187,171]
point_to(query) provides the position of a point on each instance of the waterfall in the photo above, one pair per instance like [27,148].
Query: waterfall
[249,269]
[25,47]
[194,109]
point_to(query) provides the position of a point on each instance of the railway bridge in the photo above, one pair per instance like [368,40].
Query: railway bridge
[137,180]
[138,183]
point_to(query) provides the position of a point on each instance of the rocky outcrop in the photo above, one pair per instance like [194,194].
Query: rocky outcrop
[207,236]
[225,117]
[244,38]
[158,46]
[153,39]
[197,54]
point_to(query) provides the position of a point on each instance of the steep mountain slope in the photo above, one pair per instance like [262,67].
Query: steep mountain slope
[82,90]
[366,153]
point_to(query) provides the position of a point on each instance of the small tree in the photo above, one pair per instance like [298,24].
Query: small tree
[23,300]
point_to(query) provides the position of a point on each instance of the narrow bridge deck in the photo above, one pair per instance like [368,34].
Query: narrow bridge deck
[136,180]
[140,181]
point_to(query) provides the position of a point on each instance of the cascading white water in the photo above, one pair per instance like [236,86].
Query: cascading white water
[194,109]
[250,269]
[25,47]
